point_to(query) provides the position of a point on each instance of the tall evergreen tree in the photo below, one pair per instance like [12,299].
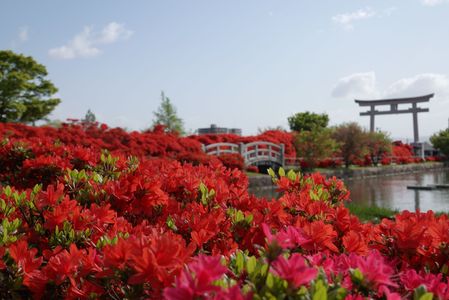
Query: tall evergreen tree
[89,118]
[166,115]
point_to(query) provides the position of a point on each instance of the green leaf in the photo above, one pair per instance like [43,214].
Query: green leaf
[204,193]
[357,276]
[320,291]
[7,191]
[426,296]
[249,218]
[271,173]
[251,263]
[291,175]
[281,172]
[171,223]
[239,262]
[314,196]
[239,216]
[421,293]
[2,204]
[270,281]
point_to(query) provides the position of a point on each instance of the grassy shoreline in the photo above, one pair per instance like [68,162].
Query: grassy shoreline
[370,213]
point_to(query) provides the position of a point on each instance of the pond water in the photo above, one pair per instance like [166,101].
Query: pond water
[391,191]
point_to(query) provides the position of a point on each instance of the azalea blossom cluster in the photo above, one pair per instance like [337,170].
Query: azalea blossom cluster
[78,223]
[158,143]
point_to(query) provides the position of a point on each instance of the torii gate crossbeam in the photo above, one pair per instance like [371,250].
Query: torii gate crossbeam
[394,103]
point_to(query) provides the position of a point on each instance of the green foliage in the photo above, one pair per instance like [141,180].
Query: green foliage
[8,231]
[89,118]
[67,235]
[108,166]
[262,283]
[307,121]
[166,115]
[25,94]
[440,141]
[315,145]
[421,293]
[352,140]
[370,213]
[206,194]
[261,130]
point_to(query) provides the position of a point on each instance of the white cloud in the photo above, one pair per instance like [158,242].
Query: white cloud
[355,86]
[420,85]
[433,2]
[363,85]
[82,45]
[85,44]
[347,19]
[113,32]
[23,34]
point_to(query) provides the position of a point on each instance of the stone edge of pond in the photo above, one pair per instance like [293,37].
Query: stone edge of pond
[264,181]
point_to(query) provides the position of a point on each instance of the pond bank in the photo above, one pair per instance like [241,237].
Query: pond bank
[263,180]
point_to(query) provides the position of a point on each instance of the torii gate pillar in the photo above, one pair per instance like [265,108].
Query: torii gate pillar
[393,103]
[415,124]
[371,119]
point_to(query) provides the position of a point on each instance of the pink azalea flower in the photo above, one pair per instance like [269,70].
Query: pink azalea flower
[287,239]
[375,270]
[205,270]
[294,270]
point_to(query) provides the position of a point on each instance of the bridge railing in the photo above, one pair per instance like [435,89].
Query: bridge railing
[252,152]
[263,151]
[221,148]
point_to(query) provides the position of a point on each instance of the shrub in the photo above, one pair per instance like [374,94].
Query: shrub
[253,169]
[232,160]
[152,227]
[440,141]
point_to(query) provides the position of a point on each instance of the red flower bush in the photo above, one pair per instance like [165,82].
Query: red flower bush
[232,161]
[104,224]
[403,153]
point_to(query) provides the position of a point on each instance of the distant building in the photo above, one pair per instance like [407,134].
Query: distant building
[424,149]
[213,129]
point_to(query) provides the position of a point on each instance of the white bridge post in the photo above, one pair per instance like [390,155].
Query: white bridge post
[282,155]
[242,152]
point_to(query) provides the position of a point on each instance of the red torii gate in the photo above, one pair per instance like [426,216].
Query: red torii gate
[394,103]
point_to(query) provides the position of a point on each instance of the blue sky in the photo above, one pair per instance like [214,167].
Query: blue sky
[246,64]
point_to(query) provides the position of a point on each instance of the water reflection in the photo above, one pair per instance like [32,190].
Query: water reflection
[391,191]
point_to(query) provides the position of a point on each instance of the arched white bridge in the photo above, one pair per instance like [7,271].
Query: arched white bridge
[255,153]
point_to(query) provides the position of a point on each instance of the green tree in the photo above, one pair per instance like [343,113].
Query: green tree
[440,141]
[261,130]
[352,140]
[25,93]
[315,145]
[166,115]
[307,121]
[89,118]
